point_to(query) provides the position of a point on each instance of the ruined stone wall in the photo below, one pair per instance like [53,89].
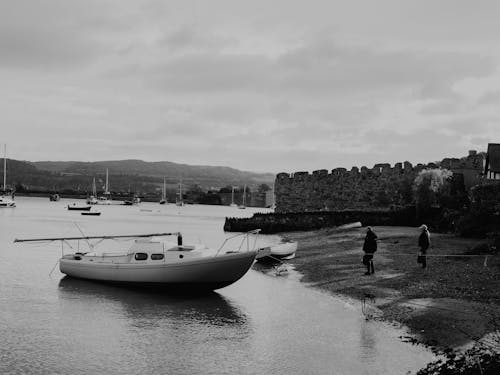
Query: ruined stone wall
[379,187]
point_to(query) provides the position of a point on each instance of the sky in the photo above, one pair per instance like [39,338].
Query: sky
[265,86]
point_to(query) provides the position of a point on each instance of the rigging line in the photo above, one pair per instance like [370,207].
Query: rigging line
[53,268]
[444,255]
[83,234]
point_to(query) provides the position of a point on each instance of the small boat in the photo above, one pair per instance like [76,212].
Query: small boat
[54,197]
[164,193]
[74,207]
[356,224]
[232,198]
[92,199]
[151,262]
[106,198]
[179,201]
[285,250]
[6,197]
[6,201]
[243,204]
[134,200]
[89,213]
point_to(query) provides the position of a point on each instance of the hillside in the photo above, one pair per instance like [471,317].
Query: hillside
[133,175]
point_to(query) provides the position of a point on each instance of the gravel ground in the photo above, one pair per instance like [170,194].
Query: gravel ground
[450,304]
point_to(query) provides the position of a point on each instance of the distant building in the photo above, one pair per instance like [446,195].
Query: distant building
[492,165]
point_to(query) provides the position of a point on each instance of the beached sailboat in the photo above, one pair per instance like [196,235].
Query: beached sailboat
[164,193]
[179,200]
[106,198]
[93,198]
[6,197]
[243,204]
[153,262]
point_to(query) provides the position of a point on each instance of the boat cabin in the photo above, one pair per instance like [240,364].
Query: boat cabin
[144,250]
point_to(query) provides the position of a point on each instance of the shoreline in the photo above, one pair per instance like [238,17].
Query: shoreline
[448,305]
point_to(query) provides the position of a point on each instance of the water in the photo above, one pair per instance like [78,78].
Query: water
[262,324]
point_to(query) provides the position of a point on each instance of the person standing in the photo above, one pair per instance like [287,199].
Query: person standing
[369,247]
[424,241]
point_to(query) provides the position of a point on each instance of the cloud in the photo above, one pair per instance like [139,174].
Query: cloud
[293,86]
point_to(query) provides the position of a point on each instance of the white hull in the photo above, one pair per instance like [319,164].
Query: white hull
[105,202]
[203,273]
[7,202]
[283,251]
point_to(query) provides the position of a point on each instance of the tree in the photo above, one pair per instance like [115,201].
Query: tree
[428,186]
[263,188]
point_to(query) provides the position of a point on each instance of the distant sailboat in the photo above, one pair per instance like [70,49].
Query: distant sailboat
[163,193]
[93,198]
[243,204]
[232,198]
[179,201]
[106,198]
[6,200]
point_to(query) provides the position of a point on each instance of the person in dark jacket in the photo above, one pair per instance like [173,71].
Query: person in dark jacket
[424,241]
[369,247]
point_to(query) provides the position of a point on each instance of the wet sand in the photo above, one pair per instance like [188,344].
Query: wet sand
[449,304]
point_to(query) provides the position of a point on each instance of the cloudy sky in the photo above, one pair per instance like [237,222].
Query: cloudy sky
[258,85]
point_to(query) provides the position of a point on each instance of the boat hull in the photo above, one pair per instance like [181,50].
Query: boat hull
[79,208]
[7,205]
[207,273]
[282,251]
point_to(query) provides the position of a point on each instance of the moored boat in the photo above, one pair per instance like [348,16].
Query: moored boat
[92,199]
[243,204]
[54,197]
[179,200]
[106,197]
[153,262]
[6,197]
[74,207]
[163,199]
[89,213]
[6,201]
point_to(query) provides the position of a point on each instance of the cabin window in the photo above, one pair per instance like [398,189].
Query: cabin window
[141,256]
[156,256]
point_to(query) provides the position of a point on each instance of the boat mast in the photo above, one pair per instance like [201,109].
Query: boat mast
[97,237]
[94,190]
[180,190]
[164,193]
[107,185]
[232,195]
[244,195]
[5,167]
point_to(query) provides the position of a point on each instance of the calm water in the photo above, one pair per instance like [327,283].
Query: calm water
[263,324]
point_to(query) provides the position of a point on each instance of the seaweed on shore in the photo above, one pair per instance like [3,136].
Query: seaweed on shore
[478,360]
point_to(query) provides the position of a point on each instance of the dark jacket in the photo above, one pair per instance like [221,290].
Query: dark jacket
[423,240]
[370,245]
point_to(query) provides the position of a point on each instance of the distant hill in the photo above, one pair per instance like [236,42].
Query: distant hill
[132,175]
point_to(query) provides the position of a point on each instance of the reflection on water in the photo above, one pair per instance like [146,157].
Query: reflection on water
[141,305]
[368,342]
[262,324]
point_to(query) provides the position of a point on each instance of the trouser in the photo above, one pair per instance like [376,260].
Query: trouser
[423,258]
[368,261]
[369,267]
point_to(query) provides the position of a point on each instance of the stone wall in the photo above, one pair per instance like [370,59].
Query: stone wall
[367,188]
[300,221]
